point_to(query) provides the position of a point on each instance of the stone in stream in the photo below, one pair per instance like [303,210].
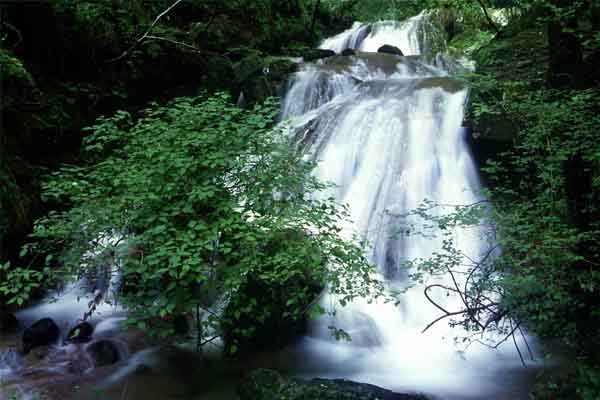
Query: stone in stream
[388,49]
[265,384]
[104,352]
[80,333]
[41,333]
[348,52]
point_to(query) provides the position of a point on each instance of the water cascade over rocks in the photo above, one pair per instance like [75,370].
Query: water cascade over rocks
[387,131]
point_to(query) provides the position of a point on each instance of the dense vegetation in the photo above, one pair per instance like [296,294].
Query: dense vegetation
[196,196]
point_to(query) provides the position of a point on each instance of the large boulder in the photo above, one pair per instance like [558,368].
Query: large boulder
[104,352]
[388,49]
[80,333]
[348,52]
[264,384]
[41,333]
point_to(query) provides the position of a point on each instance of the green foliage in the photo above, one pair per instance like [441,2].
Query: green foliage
[193,202]
[13,68]
[544,190]
[18,284]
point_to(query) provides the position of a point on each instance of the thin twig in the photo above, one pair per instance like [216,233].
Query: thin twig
[527,344]
[517,345]
[145,35]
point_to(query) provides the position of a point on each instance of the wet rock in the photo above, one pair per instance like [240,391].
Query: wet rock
[8,323]
[348,52]
[264,384]
[317,54]
[41,333]
[104,352]
[388,49]
[447,84]
[81,333]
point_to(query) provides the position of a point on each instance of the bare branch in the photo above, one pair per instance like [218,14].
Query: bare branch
[145,35]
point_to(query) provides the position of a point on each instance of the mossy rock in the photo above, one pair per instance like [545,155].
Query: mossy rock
[259,76]
[310,55]
[447,84]
[518,55]
[265,384]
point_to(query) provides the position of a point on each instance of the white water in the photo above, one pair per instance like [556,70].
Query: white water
[391,137]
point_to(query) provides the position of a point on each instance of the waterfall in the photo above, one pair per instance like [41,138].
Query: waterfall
[387,131]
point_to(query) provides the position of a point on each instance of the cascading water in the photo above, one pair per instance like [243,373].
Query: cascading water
[387,131]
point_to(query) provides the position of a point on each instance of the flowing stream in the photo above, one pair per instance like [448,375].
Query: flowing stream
[386,129]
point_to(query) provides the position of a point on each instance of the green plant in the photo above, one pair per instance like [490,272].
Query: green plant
[196,203]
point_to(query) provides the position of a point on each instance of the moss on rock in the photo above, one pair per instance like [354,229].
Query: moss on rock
[265,384]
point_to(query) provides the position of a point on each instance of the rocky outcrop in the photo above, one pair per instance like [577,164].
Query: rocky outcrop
[388,49]
[41,333]
[348,52]
[264,384]
[259,76]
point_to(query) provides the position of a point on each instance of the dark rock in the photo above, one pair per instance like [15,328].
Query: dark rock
[41,333]
[8,323]
[317,54]
[387,49]
[81,333]
[348,52]
[264,384]
[104,352]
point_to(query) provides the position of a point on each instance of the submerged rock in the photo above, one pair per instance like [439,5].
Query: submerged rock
[104,352]
[81,333]
[387,49]
[41,333]
[265,384]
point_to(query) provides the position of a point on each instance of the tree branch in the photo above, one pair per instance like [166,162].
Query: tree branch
[145,35]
